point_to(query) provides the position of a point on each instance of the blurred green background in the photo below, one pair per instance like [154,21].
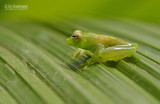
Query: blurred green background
[36,65]
[145,10]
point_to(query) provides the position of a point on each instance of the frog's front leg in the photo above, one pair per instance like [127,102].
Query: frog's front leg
[79,52]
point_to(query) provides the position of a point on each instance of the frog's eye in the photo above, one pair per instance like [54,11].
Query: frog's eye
[74,36]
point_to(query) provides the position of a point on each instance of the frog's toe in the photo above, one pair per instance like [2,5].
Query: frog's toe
[77,54]
[83,66]
[73,57]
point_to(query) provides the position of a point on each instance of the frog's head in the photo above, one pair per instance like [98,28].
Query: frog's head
[76,39]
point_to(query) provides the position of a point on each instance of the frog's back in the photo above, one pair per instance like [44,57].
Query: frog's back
[109,41]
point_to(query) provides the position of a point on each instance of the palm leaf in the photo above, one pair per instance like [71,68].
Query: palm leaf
[36,65]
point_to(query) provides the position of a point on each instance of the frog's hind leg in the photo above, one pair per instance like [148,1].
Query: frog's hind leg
[117,52]
[113,53]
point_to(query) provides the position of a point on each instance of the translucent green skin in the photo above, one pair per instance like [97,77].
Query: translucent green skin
[101,48]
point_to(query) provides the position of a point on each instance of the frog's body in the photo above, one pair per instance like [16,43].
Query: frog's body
[101,48]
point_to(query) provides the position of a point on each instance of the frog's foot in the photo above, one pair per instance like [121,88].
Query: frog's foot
[89,62]
[78,53]
[83,66]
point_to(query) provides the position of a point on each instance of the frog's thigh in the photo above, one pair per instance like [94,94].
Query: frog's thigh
[116,53]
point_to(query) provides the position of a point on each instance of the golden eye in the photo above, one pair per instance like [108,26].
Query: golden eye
[74,36]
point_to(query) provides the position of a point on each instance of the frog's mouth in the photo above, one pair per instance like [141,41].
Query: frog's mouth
[71,42]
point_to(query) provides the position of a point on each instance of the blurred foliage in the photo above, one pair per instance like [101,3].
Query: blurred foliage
[146,10]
